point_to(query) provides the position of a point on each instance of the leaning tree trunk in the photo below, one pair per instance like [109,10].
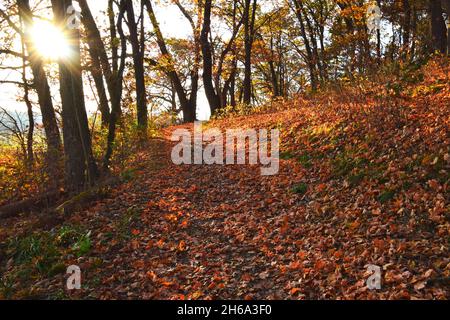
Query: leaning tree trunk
[97,75]
[41,85]
[80,166]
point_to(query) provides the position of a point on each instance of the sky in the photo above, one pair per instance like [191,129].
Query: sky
[173,24]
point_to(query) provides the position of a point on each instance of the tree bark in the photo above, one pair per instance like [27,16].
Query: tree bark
[113,71]
[249,25]
[97,75]
[26,97]
[406,24]
[116,83]
[211,95]
[438,28]
[446,7]
[379,38]
[230,47]
[41,85]
[80,166]
[138,61]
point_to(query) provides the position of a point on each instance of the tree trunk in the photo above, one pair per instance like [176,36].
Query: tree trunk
[80,166]
[406,25]
[274,79]
[379,38]
[233,83]
[211,95]
[446,7]
[309,53]
[249,24]
[138,61]
[26,97]
[116,81]
[97,75]
[438,28]
[113,71]
[188,106]
[313,42]
[232,78]
[42,87]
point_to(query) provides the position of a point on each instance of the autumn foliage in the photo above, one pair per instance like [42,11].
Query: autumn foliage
[364,179]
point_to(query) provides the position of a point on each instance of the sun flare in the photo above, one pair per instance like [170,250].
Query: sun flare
[49,41]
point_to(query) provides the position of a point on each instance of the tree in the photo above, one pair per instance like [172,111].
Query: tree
[113,71]
[446,7]
[116,77]
[438,28]
[211,94]
[406,24]
[41,85]
[26,98]
[276,64]
[249,30]
[220,83]
[309,53]
[97,76]
[188,104]
[138,63]
[80,166]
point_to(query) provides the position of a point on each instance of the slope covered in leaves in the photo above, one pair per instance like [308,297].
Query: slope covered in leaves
[364,179]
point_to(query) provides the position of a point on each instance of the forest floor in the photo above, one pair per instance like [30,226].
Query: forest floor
[364,180]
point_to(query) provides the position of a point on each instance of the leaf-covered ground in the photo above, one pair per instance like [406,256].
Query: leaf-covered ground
[364,179]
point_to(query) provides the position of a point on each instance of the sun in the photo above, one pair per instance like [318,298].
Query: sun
[49,41]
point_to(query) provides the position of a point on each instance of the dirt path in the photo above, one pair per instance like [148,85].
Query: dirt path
[226,232]
[195,233]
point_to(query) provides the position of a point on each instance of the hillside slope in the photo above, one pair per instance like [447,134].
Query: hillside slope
[364,180]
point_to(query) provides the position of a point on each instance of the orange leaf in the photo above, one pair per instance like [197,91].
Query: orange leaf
[167,283]
[338,254]
[293,291]
[182,246]
[295,265]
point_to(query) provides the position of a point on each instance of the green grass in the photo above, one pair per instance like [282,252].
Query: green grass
[41,255]
[305,160]
[6,286]
[128,175]
[75,238]
[386,196]
[300,189]
[123,226]
[356,179]
[83,245]
[38,251]
[287,155]
[346,162]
